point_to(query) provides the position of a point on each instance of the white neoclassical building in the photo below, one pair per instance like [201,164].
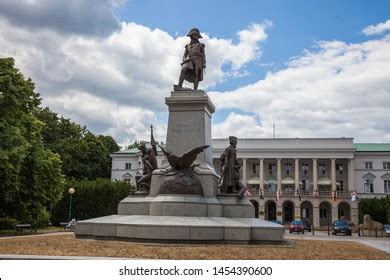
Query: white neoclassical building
[311,179]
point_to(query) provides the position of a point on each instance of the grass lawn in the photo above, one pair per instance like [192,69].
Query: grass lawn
[68,245]
[11,232]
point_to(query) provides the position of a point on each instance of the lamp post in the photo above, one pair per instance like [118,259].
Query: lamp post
[71,192]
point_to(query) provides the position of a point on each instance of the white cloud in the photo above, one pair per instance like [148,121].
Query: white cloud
[88,17]
[124,123]
[377,29]
[239,125]
[133,68]
[336,90]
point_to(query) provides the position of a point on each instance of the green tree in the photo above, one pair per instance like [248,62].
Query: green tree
[30,174]
[135,144]
[83,154]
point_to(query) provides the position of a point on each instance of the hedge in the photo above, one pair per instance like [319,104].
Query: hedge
[91,199]
[377,208]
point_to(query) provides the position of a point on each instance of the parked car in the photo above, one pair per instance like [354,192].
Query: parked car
[341,226]
[387,229]
[296,226]
[307,226]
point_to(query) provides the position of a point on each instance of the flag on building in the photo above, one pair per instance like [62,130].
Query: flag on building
[261,194]
[277,195]
[247,193]
[353,196]
[316,193]
[334,194]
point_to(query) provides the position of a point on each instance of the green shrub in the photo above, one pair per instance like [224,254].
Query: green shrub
[91,199]
[7,223]
[377,208]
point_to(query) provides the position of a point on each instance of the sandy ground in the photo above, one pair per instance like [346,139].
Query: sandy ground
[68,245]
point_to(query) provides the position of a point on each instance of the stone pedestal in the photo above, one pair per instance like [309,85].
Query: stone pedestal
[189,123]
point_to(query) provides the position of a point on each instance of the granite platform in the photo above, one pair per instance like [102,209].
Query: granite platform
[181,229]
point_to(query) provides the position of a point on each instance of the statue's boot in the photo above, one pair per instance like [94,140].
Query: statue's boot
[196,83]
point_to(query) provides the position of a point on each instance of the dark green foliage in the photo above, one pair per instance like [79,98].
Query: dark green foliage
[136,144]
[377,208]
[83,154]
[91,199]
[7,223]
[30,174]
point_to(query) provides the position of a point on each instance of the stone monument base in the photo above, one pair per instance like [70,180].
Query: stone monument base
[181,229]
[227,206]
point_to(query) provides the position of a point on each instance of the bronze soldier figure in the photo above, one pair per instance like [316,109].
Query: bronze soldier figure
[149,163]
[230,170]
[194,61]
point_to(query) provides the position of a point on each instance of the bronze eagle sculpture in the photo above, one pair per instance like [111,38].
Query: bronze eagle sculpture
[186,160]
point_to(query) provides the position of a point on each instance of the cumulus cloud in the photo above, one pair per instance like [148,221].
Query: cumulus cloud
[89,17]
[240,125]
[377,29]
[124,123]
[132,68]
[335,90]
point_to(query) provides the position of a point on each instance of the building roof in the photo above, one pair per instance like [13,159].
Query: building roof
[131,151]
[134,150]
[372,147]
[360,147]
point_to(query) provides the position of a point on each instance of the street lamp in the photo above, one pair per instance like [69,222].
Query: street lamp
[71,192]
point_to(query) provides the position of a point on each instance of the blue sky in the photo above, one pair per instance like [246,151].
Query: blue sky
[314,68]
[298,24]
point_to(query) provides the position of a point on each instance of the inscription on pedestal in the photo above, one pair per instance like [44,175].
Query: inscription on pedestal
[186,128]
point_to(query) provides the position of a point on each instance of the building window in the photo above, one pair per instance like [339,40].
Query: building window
[254,168]
[127,180]
[387,186]
[339,168]
[340,186]
[288,168]
[305,213]
[369,186]
[127,165]
[341,213]
[305,185]
[322,168]
[272,186]
[386,165]
[271,168]
[368,165]
[323,213]
[305,168]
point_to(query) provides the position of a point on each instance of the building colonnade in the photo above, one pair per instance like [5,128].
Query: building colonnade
[316,190]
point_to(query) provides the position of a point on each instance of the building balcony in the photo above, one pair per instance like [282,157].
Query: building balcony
[309,193]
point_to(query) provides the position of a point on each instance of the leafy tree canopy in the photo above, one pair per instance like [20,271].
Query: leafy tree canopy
[30,174]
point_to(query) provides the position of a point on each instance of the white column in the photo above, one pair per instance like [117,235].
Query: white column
[315,177]
[261,172]
[351,170]
[296,174]
[333,173]
[244,171]
[279,173]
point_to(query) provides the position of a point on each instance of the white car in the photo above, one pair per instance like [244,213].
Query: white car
[387,229]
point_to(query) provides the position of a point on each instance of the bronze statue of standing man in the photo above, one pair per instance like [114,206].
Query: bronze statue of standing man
[194,61]
[230,169]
